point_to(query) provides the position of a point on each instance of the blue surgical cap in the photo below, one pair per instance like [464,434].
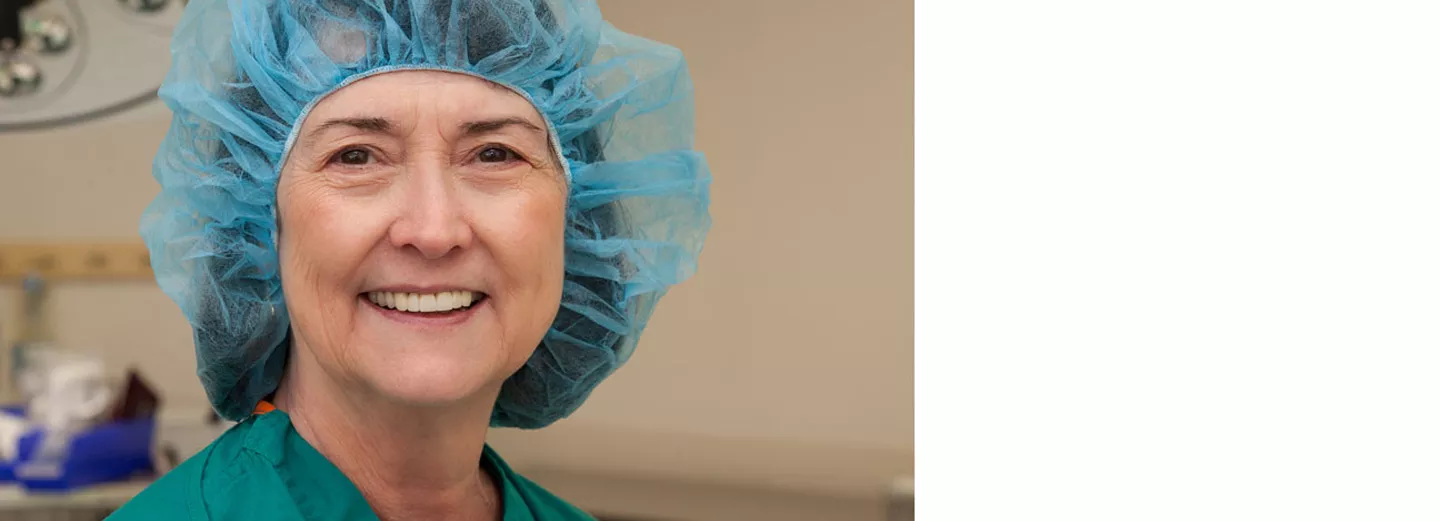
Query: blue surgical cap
[245,72]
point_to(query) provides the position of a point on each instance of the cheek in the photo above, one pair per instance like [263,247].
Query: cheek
[530,247]
[323,237]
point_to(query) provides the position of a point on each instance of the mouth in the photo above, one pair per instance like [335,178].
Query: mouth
[425,306]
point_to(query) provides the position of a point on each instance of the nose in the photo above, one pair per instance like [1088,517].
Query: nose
[432,219]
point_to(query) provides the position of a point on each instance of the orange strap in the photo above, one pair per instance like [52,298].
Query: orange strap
[264,407]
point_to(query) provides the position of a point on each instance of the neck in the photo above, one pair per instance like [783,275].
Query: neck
[410,462]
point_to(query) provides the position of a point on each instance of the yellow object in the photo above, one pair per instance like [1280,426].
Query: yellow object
[79,260]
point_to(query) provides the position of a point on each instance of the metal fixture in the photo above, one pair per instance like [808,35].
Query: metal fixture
[18,77]
[64,62]
[48,35]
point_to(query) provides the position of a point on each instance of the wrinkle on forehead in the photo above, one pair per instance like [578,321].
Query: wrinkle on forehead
[325,105]
[375,96]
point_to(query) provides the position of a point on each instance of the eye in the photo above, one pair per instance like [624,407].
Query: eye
[495,154]
[353,156]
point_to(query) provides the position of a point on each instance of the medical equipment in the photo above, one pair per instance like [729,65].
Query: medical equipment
[64,62]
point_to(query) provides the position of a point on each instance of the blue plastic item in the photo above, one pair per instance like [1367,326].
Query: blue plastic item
[7,468]
[104,453]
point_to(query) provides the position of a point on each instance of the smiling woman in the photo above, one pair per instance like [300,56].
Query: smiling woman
[416,186]
[394,225]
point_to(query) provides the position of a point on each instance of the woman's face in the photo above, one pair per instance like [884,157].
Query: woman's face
[422,235]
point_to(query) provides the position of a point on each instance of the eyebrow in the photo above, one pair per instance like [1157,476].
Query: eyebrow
[369,124]
[487,126]
[366,124]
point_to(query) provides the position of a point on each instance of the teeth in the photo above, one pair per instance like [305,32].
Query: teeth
[422,302]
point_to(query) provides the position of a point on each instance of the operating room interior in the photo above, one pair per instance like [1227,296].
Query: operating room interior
[776,384]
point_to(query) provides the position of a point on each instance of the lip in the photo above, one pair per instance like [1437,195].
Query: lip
[412,288]
[427,320]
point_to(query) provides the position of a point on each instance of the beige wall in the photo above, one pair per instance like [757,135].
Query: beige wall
[787,361]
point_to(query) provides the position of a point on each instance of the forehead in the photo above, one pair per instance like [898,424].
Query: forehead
[406,97]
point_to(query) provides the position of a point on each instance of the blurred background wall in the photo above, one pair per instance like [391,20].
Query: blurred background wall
[783,367]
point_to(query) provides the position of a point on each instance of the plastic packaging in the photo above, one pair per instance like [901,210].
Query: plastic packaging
[67,392]
[75,432]
[104,453]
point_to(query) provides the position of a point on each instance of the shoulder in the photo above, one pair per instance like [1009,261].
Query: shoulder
[173,496]
[194,488]
[545,506]
[526,500]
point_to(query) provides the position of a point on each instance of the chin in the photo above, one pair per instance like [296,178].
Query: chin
[435,380]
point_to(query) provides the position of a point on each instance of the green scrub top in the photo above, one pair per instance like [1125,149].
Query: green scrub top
[262,469]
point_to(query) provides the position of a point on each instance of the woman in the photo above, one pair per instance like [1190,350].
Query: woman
[395,224]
